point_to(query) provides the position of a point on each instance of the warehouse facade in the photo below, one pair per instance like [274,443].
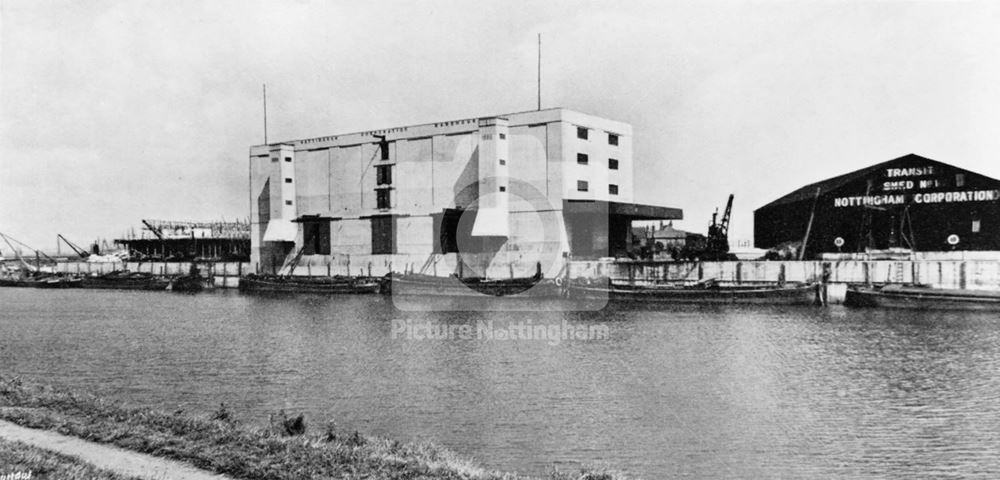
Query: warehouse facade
[525,188]
[909,202]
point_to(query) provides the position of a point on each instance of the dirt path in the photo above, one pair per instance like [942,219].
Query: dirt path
[108,457]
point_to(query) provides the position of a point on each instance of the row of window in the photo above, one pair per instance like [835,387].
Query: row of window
[584,186]
[383,178]
[584,159]
[383,197]
[583,133]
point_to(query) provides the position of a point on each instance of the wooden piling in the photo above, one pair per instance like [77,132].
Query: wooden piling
[567,278]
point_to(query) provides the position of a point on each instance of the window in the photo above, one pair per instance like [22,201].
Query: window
[612,139]
[383,175]
[581,133]
[960,180]
[582,159]
[612,164]
[503,136]
[976,226]
[383,235]
[288,159]
[503,162]
[316,238]
[288,180]
[446,227]
[383,147]
[503,188]
[582,186]
[275,159]
[382,198]
[288,202]
[613,189]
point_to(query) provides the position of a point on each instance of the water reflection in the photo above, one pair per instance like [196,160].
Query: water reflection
[674,391]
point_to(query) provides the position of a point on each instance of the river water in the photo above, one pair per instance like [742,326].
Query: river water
[676,391]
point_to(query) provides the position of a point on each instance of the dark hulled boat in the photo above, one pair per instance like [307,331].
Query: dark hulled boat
[292,284]
[57,281]
[40,281]
[189,283]
[125,280]
[452,286]
[707,292]
[193,282]
[924,298]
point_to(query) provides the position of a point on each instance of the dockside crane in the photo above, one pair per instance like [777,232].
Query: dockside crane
[714,246]
[156,230]
[76,249]
[38,254]
[718,233]
[159,235]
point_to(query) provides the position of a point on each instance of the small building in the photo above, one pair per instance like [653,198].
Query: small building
[527,188]
[669,238]
[910,202]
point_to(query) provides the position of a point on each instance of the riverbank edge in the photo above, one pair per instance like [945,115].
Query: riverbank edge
[219,443]
[29,462]
[100,456]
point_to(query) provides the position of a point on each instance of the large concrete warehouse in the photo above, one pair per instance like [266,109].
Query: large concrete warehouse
[909,202]
[509,192]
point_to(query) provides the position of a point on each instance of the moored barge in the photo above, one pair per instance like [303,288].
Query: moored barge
[923,298]
[790,294]
[292,284]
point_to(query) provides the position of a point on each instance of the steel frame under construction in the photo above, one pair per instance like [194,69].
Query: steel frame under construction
[181,241]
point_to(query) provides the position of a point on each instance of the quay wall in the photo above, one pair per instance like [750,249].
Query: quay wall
[225,274]
[502,265]
[959,274]
[979,274]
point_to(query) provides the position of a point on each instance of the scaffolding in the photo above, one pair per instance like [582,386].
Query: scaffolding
[171,240]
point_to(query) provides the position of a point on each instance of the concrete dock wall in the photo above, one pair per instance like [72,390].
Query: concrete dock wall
[965,274]
[505,265]
[225,274]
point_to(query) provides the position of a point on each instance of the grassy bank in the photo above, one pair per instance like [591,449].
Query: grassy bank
[221,444]
[45,465]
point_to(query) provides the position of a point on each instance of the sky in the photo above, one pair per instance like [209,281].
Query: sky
[115,111]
